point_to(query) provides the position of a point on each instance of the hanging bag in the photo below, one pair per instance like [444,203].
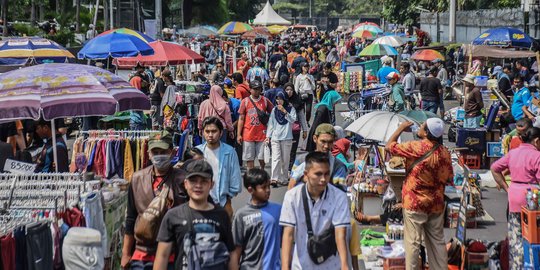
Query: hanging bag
[148,223]
[264,117]
[320,247]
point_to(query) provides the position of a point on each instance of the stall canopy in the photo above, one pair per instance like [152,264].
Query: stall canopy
[496,52]
[268,16]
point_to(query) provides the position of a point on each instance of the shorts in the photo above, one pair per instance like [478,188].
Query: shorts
[252,151]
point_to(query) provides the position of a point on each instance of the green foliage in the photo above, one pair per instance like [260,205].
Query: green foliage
[283,6]
[63,37]
[508,3]
[26,29]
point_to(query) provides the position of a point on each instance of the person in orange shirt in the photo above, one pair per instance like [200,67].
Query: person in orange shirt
[242,89]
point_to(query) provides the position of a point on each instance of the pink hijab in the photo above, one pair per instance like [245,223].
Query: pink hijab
[217,101]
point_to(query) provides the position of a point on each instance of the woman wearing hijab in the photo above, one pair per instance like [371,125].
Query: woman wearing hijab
[333,56]
[216,106]
[279,134]
[301,125]
[341,152]
[323,114]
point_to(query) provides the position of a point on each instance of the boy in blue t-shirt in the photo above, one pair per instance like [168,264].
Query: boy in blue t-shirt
[255,228]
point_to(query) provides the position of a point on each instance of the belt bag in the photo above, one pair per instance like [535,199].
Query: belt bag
[320,247]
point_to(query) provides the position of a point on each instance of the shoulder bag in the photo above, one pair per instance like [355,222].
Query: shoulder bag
[426,155]
[264,117]
[148,223]
[320,247]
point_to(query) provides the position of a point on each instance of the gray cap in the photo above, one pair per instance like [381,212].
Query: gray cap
[199,168]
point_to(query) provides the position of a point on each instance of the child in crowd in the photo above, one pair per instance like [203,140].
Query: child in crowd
[256,230]
[195,228]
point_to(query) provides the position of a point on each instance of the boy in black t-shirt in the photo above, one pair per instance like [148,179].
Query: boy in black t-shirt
[208,224]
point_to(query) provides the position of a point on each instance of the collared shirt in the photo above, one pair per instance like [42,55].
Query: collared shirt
[329,209]
[524,165]
[521,98]
[423,190]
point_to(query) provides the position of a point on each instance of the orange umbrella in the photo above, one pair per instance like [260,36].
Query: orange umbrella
[257,32]
[427,55]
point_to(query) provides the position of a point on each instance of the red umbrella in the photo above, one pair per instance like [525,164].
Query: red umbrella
[165,53]
[256,33]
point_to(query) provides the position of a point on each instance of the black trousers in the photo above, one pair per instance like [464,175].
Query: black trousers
[296,141]
[39,253]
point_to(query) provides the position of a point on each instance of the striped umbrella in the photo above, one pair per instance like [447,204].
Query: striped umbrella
[20,51]
[370,28]
[393,41]
[234,28]
[364,34]
[130,32]
[65,90]
[366,23]
[378,50]
[427,55]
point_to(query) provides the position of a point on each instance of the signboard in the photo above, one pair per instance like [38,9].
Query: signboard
[494,149]
[18,167]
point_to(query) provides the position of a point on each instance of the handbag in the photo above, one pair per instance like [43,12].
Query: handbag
[320,247]
[296,128]
[148,223]
[264,117]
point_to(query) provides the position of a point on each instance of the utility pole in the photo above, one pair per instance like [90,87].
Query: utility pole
[452,22]
[438,26]
[158,18]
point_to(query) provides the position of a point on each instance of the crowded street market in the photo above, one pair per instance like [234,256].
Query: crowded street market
[269,144]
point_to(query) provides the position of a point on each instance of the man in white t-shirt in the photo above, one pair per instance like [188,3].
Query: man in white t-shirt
[328,213]
[224,162]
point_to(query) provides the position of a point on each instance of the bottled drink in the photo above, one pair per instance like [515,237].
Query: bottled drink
[529,199]
[534,199]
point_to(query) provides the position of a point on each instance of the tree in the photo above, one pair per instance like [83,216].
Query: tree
[4,17]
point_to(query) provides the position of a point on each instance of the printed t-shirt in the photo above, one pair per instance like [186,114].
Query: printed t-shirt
[211,225]
[256,229]
[254,130]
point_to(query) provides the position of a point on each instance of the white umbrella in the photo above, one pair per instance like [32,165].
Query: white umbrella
[393,41]
[380,125]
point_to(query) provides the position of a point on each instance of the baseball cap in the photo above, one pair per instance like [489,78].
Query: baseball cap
[435,126]
[325,129]
[256,84]
[199,168]
[161,140]
[436,60]
[392,75]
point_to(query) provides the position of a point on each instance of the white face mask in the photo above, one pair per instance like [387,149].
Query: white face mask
[161,162]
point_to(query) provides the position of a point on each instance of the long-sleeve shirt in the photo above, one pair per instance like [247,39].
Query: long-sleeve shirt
[278,132]
[524,165]
[473,103]
[302,119]
[304,84]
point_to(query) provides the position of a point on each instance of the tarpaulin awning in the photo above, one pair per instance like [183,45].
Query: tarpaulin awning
[496,52]
[165,53]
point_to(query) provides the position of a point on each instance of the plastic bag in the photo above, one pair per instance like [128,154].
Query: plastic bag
[267,153]
[389,194]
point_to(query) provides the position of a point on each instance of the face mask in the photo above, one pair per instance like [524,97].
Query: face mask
[161,162]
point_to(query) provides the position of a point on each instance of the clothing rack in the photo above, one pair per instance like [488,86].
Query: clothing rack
[122,133]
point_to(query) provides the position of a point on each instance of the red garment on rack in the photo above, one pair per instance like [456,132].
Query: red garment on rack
[7,246]
[73,217]
[99,160]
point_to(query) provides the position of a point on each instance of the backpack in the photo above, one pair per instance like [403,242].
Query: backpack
[203,251]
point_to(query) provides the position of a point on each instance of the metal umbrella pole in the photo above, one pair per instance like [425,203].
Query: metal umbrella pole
[55,155]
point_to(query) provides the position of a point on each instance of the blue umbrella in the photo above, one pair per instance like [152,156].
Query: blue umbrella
[504,37]
[114,45]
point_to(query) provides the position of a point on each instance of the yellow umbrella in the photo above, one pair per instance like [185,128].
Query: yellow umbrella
[276,29]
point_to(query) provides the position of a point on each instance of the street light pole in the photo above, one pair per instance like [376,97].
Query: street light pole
[452,22]
[158,18]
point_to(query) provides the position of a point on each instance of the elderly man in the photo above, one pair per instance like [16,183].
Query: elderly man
[473,103]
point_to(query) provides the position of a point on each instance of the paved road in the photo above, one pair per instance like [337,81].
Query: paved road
[494,203]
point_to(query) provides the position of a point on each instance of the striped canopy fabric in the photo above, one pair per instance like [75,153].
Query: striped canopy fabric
[65,90]
[378,50]
[130,32]
[32,50]
[234,28]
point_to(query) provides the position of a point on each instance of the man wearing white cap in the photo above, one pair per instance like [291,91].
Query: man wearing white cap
[428,168]
[473,103]
[396,102]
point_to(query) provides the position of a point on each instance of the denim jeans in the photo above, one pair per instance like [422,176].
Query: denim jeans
[472,122]
[142,265]
[430,106]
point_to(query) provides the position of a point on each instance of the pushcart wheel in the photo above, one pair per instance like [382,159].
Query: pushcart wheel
[355,102]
